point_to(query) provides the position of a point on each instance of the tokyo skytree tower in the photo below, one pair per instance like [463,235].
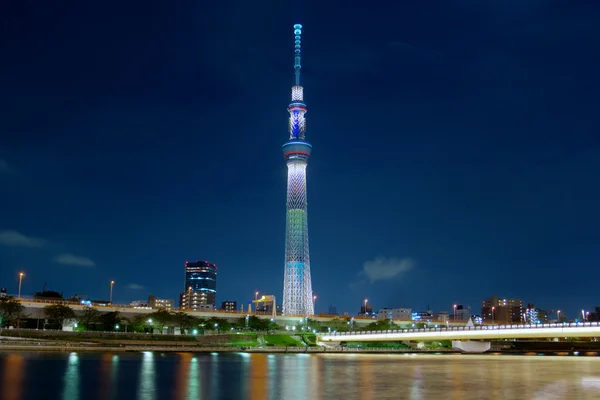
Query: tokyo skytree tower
[297,287]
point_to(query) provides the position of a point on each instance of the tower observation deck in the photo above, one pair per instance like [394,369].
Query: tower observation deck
[297,287]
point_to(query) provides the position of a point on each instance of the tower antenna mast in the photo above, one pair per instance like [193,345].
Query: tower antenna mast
[297,56]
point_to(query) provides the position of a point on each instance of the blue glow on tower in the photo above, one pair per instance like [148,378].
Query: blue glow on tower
[297,287]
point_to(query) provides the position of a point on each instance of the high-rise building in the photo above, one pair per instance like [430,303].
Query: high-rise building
[229,306]
[200,286]
[297,286]
[502,311]
[332,310]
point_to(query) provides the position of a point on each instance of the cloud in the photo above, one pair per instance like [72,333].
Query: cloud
[135,286]
[354,285]
[17,239]
[382,268]
[71,259]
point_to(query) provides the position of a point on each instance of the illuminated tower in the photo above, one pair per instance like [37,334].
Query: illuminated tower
[297,287]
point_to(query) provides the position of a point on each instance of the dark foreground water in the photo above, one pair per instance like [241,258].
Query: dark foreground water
[157,376]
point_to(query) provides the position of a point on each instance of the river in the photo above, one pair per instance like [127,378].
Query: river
[156,376]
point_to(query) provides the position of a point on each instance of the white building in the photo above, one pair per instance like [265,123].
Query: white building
[140,304]
[166,304]
[463,314]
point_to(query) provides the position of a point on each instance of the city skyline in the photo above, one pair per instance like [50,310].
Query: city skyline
[456,156]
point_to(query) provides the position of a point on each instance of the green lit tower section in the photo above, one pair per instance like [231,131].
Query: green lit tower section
[297,287]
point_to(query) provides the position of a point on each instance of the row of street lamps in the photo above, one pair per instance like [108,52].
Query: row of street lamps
[22,274]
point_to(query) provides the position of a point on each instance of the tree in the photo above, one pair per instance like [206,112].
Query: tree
[380,326]
[217,324]
[58,313]
[111,320]
[89,318]
[273,326]
[185,321]
[139,323]
[258,324]
[252,322]
[308,324]
[159,319]
[338,324]
[10,310]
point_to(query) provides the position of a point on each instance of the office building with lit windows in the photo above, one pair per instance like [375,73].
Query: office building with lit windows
[502,311]
[164,304]
[229,306]
[200,289]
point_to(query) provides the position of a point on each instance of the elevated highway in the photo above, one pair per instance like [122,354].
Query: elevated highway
[35,309]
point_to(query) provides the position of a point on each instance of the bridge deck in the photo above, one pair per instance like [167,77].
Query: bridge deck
[581,329]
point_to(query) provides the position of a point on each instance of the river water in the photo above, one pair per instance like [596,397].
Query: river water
[157,376]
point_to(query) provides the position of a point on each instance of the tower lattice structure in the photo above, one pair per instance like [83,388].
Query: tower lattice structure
[297,286]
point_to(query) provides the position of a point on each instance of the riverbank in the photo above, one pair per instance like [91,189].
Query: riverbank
[272,350]
[201,349]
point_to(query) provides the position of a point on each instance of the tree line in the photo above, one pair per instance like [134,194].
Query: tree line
[92,319]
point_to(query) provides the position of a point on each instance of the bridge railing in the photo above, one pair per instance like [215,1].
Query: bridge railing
[467,328]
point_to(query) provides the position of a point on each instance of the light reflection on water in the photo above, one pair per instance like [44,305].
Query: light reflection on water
[147,384]
[12,378]
[73,376]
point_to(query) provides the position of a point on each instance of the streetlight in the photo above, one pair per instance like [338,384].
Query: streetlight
[493,308]
[112,283]
[20,282]
[558,316]
[365,307]
[455,312]
[255,302]
[314,303]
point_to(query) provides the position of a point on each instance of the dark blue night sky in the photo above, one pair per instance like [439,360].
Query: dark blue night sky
[456,148]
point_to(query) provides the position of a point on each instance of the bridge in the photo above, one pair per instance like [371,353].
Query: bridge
[458,335]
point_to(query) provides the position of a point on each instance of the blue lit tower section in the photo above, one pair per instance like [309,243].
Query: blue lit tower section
[297,287]
[200,285]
